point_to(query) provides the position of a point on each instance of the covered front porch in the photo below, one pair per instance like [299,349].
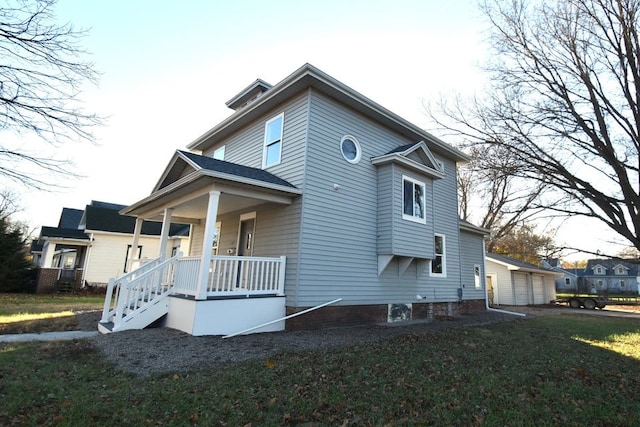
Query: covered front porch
[211,290]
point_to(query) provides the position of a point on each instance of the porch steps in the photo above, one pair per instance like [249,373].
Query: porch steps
[139,319]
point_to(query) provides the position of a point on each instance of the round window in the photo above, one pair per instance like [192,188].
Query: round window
[350,148]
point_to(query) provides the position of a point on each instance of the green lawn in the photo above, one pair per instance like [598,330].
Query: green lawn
[40,313]
[552,370]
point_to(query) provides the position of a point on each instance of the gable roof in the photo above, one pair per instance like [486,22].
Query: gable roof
[185,163]
[610,266]
[104,216]
[70,218]
[516,264]
[309,76]
[416,156]
[109,220]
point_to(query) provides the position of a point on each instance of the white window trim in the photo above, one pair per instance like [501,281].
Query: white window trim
[444,257]
[477,277]
[266,143]
[413,218]
[358,149]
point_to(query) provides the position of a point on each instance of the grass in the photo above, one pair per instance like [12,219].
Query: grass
[21,313]
[551,370]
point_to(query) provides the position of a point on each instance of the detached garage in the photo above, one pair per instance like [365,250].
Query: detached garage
[514,282]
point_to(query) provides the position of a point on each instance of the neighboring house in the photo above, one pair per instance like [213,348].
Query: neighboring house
[309,194]
[92,245]
[609,276]
[514,282]
[567,278]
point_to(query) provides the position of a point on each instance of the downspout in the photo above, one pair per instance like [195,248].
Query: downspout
[486,292]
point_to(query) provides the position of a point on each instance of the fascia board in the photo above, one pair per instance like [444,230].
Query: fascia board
[398,158]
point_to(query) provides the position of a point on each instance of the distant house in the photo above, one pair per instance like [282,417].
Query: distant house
[308,195]
[567,278]
[603,276]
[514,282]
[92,245]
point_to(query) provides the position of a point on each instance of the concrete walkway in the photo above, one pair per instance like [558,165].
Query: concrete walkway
[48,336]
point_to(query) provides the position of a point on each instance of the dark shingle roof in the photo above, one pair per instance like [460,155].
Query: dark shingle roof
[70,218]
[109,219]
[610,265]
[65,233]
[235,169]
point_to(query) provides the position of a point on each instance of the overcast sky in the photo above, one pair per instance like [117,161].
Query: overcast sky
[168,67]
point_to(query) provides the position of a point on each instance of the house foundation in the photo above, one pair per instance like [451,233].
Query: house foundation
[358,315]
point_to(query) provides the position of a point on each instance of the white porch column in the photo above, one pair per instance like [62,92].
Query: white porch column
[133,253]
[47,256]
[207,244]
[164,236]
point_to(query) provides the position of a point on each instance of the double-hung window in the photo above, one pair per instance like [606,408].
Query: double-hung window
[273,141]
[413,200]
[439,262]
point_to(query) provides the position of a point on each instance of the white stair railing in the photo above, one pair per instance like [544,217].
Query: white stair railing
[134,292]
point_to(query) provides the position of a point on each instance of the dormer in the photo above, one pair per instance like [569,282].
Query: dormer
[599,270]
[248,94]
[620,270]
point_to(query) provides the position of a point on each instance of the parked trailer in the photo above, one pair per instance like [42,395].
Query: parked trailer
[580,301]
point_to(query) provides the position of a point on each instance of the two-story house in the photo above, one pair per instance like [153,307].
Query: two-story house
[615,276]
[311,206]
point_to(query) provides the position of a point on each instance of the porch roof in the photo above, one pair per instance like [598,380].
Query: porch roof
[189,177]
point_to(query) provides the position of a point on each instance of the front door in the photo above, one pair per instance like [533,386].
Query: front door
[246,234]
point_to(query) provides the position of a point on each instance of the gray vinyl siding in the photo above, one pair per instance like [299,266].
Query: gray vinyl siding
[340,237]
[410,238]
[471,254]
[246,147]
[445,216]
[386,191]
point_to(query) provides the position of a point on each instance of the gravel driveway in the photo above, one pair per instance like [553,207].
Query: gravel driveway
[158,350]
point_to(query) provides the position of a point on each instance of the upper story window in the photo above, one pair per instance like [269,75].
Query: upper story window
[218,153]
[439,262]
[599,270]
[620,270]
[272,141]
[413,200]
[350,148]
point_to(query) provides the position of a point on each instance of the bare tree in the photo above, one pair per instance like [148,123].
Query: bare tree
[491,196]
[41,74]
[564,101]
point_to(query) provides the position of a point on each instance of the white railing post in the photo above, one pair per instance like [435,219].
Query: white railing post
[283,264]
[107,301]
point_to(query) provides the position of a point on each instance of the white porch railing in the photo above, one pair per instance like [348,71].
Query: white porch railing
[145,287]
[232,275]
[128,294]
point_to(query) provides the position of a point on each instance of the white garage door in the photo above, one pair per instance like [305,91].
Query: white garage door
[538,289]
[521,288]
